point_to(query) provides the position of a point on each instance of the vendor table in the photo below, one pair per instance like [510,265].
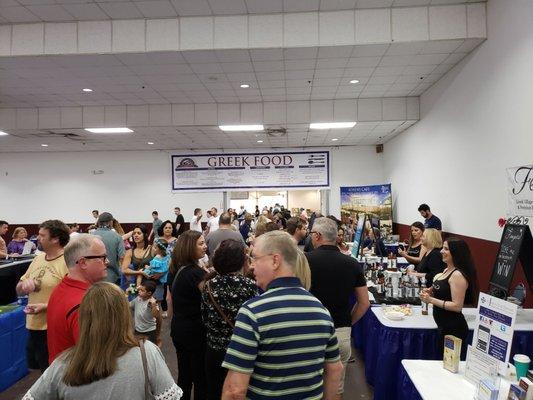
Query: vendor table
[385,343]
[10,273]
[13,338]
[428,380]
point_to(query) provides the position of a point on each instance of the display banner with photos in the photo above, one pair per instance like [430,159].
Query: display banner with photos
[237,171]
[374,201]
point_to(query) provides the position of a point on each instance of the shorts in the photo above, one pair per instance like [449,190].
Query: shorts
[159,292]
[345,349]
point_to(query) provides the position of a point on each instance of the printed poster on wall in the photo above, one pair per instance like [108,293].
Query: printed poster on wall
[375,201]
[237,171]
[493,334]
[520,195]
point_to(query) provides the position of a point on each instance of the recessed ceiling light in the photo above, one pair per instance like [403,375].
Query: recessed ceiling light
[354,81]
[2,133]
[109,130]
[236,128]
[87,90]
[44,145]
[150,143]
[245,86]
[259,141]
[334,139]
[332,125]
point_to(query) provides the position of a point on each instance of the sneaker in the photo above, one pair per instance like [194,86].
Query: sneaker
[164,314]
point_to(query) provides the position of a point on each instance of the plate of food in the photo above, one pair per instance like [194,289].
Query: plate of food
[394,315]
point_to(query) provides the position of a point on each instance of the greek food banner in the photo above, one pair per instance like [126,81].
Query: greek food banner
[236,171]
[375,201]
[520,195]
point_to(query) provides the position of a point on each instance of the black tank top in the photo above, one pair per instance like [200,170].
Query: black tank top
[141,262]
[414,251]
[442,291]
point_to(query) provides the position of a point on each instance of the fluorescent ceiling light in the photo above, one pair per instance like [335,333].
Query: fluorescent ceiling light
[44,145]
[109,130]
[2,133]
[259,141]
[334,139]
[332,125]
[245,86]
[87,90]
[354,81]
[150,143]
[236,128]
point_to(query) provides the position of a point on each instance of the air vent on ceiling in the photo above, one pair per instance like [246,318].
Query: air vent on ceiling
[276,132]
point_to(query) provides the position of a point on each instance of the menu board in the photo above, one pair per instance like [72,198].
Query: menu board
[235,171]
[516,243]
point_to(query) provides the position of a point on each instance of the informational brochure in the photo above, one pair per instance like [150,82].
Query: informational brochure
[480,366]
[493,334]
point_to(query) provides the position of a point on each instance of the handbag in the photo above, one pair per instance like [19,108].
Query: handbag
[217,307]
[148,395]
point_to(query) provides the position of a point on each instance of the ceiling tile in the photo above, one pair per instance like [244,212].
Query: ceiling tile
[156,9]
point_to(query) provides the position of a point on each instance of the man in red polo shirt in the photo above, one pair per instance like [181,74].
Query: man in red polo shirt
[86,259]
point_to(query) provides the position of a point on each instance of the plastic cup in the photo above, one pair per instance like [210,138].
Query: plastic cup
[521,363]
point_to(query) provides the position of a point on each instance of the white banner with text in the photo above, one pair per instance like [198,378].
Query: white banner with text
[237,171]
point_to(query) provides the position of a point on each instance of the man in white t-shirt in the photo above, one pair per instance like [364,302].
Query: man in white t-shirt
[196,224]
[212,223]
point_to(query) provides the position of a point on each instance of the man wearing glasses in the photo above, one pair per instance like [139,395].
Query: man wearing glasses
[43,275]
[284,340]
[335,277]
[114,246]
[86,259]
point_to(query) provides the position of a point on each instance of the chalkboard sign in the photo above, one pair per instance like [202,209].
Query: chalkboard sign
[516,244]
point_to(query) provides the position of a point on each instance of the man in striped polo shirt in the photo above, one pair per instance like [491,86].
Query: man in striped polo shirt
[283,345]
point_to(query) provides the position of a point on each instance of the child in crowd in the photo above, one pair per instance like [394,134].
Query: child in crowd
[146,313]
[158,266]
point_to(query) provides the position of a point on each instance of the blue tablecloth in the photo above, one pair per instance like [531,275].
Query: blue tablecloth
[13,338]
[383,348]
[406,390]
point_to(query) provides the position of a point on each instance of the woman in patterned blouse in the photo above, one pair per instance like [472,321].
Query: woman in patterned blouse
[224,291]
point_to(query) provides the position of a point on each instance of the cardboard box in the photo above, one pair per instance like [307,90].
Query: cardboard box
[452,353]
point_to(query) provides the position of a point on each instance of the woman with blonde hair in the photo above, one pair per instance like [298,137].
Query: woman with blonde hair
[431,264]
[16,246]
[108,362]
[302,270]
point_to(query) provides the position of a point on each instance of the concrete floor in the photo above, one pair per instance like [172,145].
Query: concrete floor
[356,386]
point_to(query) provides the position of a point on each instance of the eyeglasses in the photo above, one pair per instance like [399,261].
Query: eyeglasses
[102,257]
[255,258]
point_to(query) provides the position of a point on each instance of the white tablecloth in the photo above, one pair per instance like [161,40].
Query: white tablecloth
[524,319]
[433,382]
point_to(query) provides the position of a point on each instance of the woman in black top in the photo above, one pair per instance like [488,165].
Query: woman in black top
[431,263]
[186,329]
[416,250]
[451,289]
[223,294]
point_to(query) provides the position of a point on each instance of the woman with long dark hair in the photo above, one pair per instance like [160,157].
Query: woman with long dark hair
[415,250]
[107,362]
[451,290]
[168,232]
[187,330]
[138,256]
[224,292]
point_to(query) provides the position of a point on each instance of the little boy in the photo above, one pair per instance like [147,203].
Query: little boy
[146,313]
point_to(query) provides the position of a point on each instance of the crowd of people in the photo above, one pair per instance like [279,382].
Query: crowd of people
[262,303]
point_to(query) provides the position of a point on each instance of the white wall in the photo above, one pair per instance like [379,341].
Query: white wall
[38,186]
[474,124]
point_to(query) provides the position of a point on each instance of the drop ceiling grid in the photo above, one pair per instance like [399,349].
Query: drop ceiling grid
[54,81]
[18,11]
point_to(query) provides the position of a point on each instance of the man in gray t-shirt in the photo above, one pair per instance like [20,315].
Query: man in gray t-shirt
[114,246]
[155,226]
[223,232]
